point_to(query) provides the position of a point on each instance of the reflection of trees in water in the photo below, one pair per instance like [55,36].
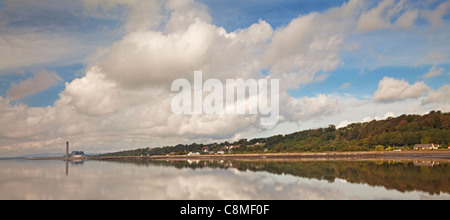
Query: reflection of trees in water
[401,176]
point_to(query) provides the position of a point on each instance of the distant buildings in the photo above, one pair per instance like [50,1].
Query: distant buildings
[221,149]
[205,149]
[77,154]
[193,153]
[231,147]
[74,154]
[426,147]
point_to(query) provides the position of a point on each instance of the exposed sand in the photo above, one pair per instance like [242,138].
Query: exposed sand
[442,156]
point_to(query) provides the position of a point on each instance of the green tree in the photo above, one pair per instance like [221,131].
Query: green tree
[278,147]
[425,138]
[379,148]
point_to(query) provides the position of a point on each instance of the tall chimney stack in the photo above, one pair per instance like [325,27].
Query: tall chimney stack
[67,149]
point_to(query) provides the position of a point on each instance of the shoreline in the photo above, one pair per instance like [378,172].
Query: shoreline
[57,158]
[442,156]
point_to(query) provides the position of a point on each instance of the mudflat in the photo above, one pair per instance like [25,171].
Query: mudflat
[437,155]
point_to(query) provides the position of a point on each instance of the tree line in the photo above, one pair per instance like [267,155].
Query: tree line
[401,132]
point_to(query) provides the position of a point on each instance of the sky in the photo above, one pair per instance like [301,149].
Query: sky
[98,73]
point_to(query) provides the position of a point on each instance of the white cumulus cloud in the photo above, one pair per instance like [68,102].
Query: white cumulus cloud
[442,95]
[392,90]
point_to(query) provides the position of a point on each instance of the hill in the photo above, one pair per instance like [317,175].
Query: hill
[401,132]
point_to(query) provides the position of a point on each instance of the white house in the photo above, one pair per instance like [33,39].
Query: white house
[193,154]
[426,147]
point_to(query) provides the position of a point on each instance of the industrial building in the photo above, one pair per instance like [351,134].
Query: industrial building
[74,154]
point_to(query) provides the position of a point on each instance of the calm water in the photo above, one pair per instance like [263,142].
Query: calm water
[223,180]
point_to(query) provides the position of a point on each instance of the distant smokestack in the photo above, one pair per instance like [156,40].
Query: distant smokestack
[67,149]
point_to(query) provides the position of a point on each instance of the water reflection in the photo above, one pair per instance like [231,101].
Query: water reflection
[405,176]
[223,180]
[72,162]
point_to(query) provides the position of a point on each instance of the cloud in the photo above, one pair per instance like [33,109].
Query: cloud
[442,95]
[25,126]
[434,71]
[309,108]
[144,15]
[147,57]
[435,17]
[43,13]
[39,82]
[298,55]
[381,17]
[345,85]
[23,49]
[407,19]
[434,57]
[373,19]
[39,34]
[376,117]
[343,124]
[185,43]
[123,99]
[127,90]
[392,90]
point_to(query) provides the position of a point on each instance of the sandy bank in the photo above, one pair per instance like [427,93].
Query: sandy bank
[443,156]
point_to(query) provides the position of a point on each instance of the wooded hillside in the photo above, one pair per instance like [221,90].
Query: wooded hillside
[401,132]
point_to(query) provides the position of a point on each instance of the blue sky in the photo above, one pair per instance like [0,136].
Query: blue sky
[98,64]
[360,67]
[235,14]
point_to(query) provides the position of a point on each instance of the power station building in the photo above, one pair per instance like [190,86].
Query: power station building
[67,149]
[74,154]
